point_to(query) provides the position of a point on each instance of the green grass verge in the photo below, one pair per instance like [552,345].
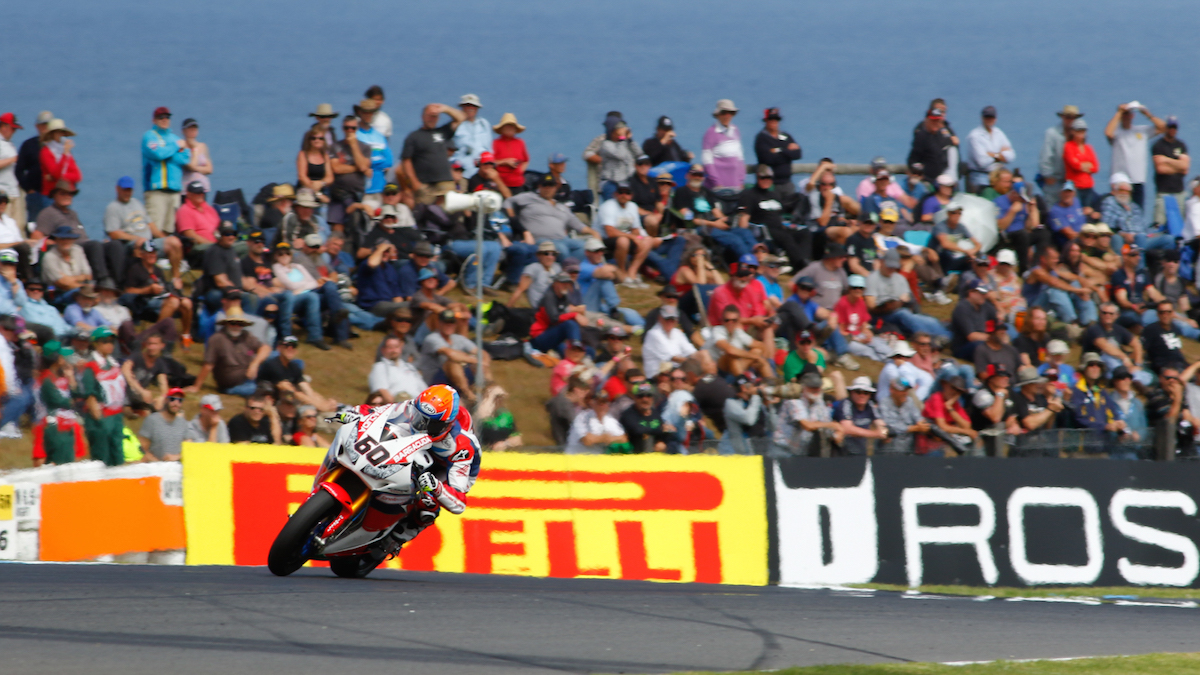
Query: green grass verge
[1130,665]
[1050,591]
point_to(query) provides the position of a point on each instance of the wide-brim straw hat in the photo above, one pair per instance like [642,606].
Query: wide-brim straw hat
[508,118]
[323,110]
[56,125]
[235,315]
[282,191]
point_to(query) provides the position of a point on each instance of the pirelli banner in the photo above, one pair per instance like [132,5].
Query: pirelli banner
[661,518]
[1005,522]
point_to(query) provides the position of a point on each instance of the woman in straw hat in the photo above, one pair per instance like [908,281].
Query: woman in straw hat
[57,161]
[509,152]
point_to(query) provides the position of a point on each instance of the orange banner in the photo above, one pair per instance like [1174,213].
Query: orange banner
[85,520]
[656,517]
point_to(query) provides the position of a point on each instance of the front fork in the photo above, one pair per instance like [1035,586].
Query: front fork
[348,490]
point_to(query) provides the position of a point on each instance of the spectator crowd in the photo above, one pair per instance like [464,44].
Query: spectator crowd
[962,283]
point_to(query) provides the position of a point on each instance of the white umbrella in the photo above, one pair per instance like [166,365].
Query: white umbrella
[979,217]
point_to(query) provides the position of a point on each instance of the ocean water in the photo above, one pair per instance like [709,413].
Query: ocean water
[852,77]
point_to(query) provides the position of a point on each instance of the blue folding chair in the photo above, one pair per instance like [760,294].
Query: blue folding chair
[917,237]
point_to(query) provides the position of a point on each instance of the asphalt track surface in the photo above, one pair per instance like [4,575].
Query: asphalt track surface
[100,619]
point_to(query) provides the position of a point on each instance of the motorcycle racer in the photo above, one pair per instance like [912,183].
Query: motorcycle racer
[456,451]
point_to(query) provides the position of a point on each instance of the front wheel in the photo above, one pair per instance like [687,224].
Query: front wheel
[355,566]
[288,553]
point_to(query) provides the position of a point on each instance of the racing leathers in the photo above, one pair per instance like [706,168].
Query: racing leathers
[456,457]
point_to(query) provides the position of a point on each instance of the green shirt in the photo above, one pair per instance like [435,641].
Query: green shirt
[795,366]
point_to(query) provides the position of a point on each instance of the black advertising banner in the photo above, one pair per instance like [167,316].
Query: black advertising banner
[985,522]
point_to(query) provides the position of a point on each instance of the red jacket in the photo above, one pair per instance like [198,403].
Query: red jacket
[54,170]
[1073,157]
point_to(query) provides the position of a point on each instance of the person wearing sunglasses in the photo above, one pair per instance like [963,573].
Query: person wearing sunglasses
[162,433]
[306,434]
[1162,339]
[257,423]
[644,426]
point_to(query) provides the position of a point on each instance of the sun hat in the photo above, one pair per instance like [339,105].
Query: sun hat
[470,99]
[724,105]
[54,125]
[323,110]
[282,191]
[861,383]
[307,198]
[508,118]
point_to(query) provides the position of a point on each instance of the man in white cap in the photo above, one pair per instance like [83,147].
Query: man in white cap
[901,366]
[665,342]
[208,427]
[859,417]
[1129,143]
[721,152]
[1050,160]
[473,136]
[1122,212]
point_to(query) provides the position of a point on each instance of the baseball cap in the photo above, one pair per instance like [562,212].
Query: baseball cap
[1121,373]
[312,239]
[147,247]
[616,331]
[593,244]
[290,340]
[643,389]
[486,158]
[891,259]
[899,383]
[283,246]
[256,237]
[764,171]
[957,382]
[125,183]
[232,293]
[548,180]
[811,380]
[423,249]
[668,291]
[189,123]
[175,392]
[447,316]
[162,111]
[804,336]
[991,326]
[227,230]
[857,281]
[643,159]
[196,188]
[1068,185]
[211,402]
[623,186]
[1129,249]
[946,180]
[877,163]
[835,250]
[882,173]
[806,282]
[668,312]
[11,120]
[771,114]
[9,256]
[1006,257]
[996,370]
[1090,358]
[982,259]
[426,273]
[665,122]
[1057,347]
[954,206]
[889,214]
[1079,123]
[572,344]
[1172,121]
[571,266]
[557,158]
[1103,229]
[989,111]
[936,112]
[902,348]
[102,332]
[563,278]
[470,99]
[748,260]
[696,170]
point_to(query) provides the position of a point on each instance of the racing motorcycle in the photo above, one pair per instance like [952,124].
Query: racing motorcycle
[370,460]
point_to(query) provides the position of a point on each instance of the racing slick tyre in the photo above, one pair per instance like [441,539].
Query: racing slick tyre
[289,551]
[355,566]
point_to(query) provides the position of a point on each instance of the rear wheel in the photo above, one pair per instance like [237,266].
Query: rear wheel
[289,552]
[356,566]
